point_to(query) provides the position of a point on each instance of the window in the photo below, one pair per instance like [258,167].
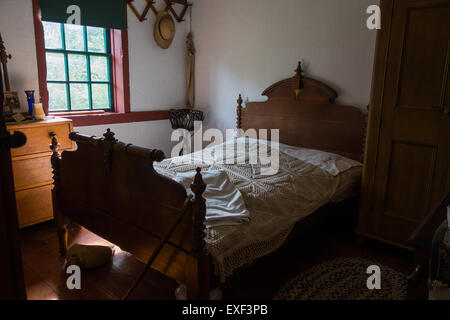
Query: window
[78,59]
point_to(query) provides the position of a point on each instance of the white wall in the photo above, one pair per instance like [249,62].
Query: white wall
[151,134]
[157,76]
[243,46]
[17,29]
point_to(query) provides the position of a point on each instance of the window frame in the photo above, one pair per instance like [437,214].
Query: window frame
[87,54]
[121,82]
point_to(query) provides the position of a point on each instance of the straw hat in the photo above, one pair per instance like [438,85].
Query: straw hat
[164,30]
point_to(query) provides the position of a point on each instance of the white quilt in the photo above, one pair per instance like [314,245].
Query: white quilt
[275,202]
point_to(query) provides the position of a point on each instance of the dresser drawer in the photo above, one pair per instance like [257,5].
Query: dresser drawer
[32,171]
[34,205]
[38,139]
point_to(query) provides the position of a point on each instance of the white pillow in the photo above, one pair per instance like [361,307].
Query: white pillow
[332,163]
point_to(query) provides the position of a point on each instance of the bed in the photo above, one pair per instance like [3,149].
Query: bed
[127,194]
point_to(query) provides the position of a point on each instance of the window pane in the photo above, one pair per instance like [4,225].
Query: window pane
[52,35]
[74,37]
[57,96]
[77,67]
[55,66]
[99,68]
[96,39]
[100,96]
[79,96]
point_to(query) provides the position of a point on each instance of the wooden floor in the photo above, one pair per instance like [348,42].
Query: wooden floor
[46,279]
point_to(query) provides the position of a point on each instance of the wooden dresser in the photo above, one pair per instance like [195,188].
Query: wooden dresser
[32,168]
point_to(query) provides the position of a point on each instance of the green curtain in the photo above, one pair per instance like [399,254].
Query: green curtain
[111,14]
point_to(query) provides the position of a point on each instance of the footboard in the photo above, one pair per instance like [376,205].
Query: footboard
[112,189]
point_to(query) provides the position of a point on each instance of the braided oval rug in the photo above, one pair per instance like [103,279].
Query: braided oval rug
[344,279]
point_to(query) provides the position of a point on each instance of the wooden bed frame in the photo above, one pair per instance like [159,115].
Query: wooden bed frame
[112,189]
[303,110]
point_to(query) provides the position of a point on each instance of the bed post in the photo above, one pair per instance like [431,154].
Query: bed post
[61,221]
[239,113]
[198,264]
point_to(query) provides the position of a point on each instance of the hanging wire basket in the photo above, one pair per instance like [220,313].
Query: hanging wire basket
[185,118]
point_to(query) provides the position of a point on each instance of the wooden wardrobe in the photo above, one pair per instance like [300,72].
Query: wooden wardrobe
[407,161]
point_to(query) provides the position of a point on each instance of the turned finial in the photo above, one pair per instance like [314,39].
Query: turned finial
[198,215]
[240,101]
[54,160]
[198,177]
[198,186]
[108,155]
[239,112]
[157,155]
[299,75]
[109,136]
[54,146]
[299,70]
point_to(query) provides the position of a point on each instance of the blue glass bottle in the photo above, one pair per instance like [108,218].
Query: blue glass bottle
[30,99]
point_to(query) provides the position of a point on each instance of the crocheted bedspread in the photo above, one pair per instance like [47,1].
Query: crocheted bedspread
[275,202]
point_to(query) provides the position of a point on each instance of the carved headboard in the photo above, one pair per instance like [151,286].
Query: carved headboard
[303,110]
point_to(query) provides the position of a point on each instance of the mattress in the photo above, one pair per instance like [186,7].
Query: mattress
[276,202]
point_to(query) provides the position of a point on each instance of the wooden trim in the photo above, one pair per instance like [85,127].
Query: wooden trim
[75,113]
[40,55]
[374,119]
[111,118]
[41,123]
[121,70]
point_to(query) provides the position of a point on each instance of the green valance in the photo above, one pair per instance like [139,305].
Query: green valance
[111,14]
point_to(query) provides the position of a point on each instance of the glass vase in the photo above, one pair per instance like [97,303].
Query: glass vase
[30,99]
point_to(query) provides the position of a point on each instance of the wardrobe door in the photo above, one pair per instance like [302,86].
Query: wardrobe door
[410,163]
